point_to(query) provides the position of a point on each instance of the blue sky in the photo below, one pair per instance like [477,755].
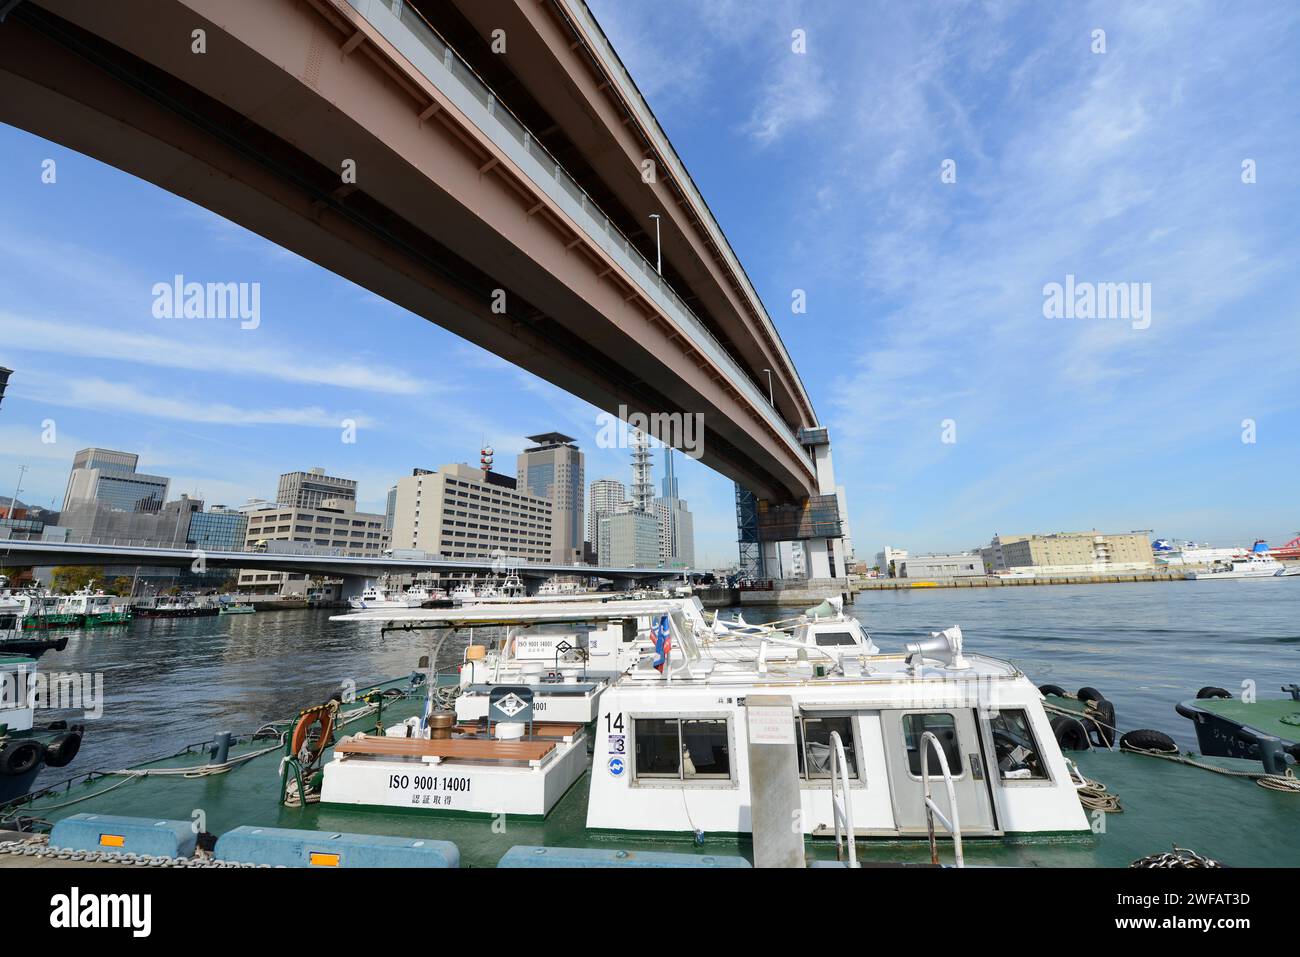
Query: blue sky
[925,298]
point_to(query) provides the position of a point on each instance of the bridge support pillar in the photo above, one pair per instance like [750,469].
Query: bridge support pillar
[354,585]
[826,557]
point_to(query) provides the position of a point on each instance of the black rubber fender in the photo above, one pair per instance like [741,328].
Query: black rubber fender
[1088,693]
[1209,691]
[19,757]
[1144,739]
[1104,724]
[1070,733]
[60,752]
[1056,690]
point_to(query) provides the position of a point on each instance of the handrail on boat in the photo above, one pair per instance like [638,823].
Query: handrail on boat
[841,805]
[931,808]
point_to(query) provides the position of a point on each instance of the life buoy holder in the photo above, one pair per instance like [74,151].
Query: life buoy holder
[323,715]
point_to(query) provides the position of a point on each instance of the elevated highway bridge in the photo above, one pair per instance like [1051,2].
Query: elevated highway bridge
[490,167]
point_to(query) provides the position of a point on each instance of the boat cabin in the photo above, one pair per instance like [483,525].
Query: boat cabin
[695,747]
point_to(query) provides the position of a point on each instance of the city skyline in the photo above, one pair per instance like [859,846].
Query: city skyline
[931,292]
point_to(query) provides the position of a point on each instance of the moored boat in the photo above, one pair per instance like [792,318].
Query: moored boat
[1257,564]
[95,609]
[24,748]
[694,759]
[379,596]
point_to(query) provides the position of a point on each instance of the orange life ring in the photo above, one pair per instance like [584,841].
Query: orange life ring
[324,714]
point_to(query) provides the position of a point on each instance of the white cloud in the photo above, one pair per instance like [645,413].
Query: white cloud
[246,352]
[101,395]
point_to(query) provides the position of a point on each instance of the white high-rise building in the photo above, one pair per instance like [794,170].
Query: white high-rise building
[676,533]
[603,497]
[676,526]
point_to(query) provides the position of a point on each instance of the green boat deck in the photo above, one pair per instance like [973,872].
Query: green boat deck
[1279,717]
[1229,819]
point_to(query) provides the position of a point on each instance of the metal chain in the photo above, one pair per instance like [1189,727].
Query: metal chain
[40,849]
[1178,857]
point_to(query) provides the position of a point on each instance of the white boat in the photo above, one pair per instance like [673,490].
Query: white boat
[420,594]
[463,592]
[558,586]
[1257,564]
[378,597]
[687,739]
[708,745]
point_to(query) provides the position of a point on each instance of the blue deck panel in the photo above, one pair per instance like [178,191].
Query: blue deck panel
[124,835]
[289,847]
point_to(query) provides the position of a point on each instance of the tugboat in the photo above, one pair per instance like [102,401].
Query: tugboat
[40,611]
[95,609]
[179,606]
[378,596]
[24,749]
[1264,729]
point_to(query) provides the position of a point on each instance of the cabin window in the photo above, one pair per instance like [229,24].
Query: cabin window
[683,749]
[815,745]
[942,726]
[835,638]
[1015,747]
[658,748]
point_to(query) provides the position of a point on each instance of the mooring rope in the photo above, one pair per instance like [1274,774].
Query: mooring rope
[1287,783]
[1093,795]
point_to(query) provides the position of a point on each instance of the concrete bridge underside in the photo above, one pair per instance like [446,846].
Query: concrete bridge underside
[258,128]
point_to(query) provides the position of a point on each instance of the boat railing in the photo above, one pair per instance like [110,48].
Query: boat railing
[932,811]
[841,804]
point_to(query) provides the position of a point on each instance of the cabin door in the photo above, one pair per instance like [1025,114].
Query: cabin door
[958,735]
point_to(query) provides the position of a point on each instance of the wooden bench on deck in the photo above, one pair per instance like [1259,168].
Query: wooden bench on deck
[541,729]
[478,750]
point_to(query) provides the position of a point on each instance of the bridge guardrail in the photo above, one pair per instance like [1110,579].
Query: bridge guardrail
[420,43]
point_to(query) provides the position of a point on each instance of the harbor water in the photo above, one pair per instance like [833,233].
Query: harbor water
[1146,646]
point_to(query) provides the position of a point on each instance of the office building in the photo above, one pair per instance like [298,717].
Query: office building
[390,509]
[669,482]
[553,470]
[603,497]
[95,522]
[962,565]
[218,529]
[460,511]
[792,559]
[888,560]
[1069,553]
[310,489]
[109,478]
[629,539]
[334,527]
[676,526]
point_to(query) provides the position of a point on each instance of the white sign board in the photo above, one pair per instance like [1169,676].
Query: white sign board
[770,725]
